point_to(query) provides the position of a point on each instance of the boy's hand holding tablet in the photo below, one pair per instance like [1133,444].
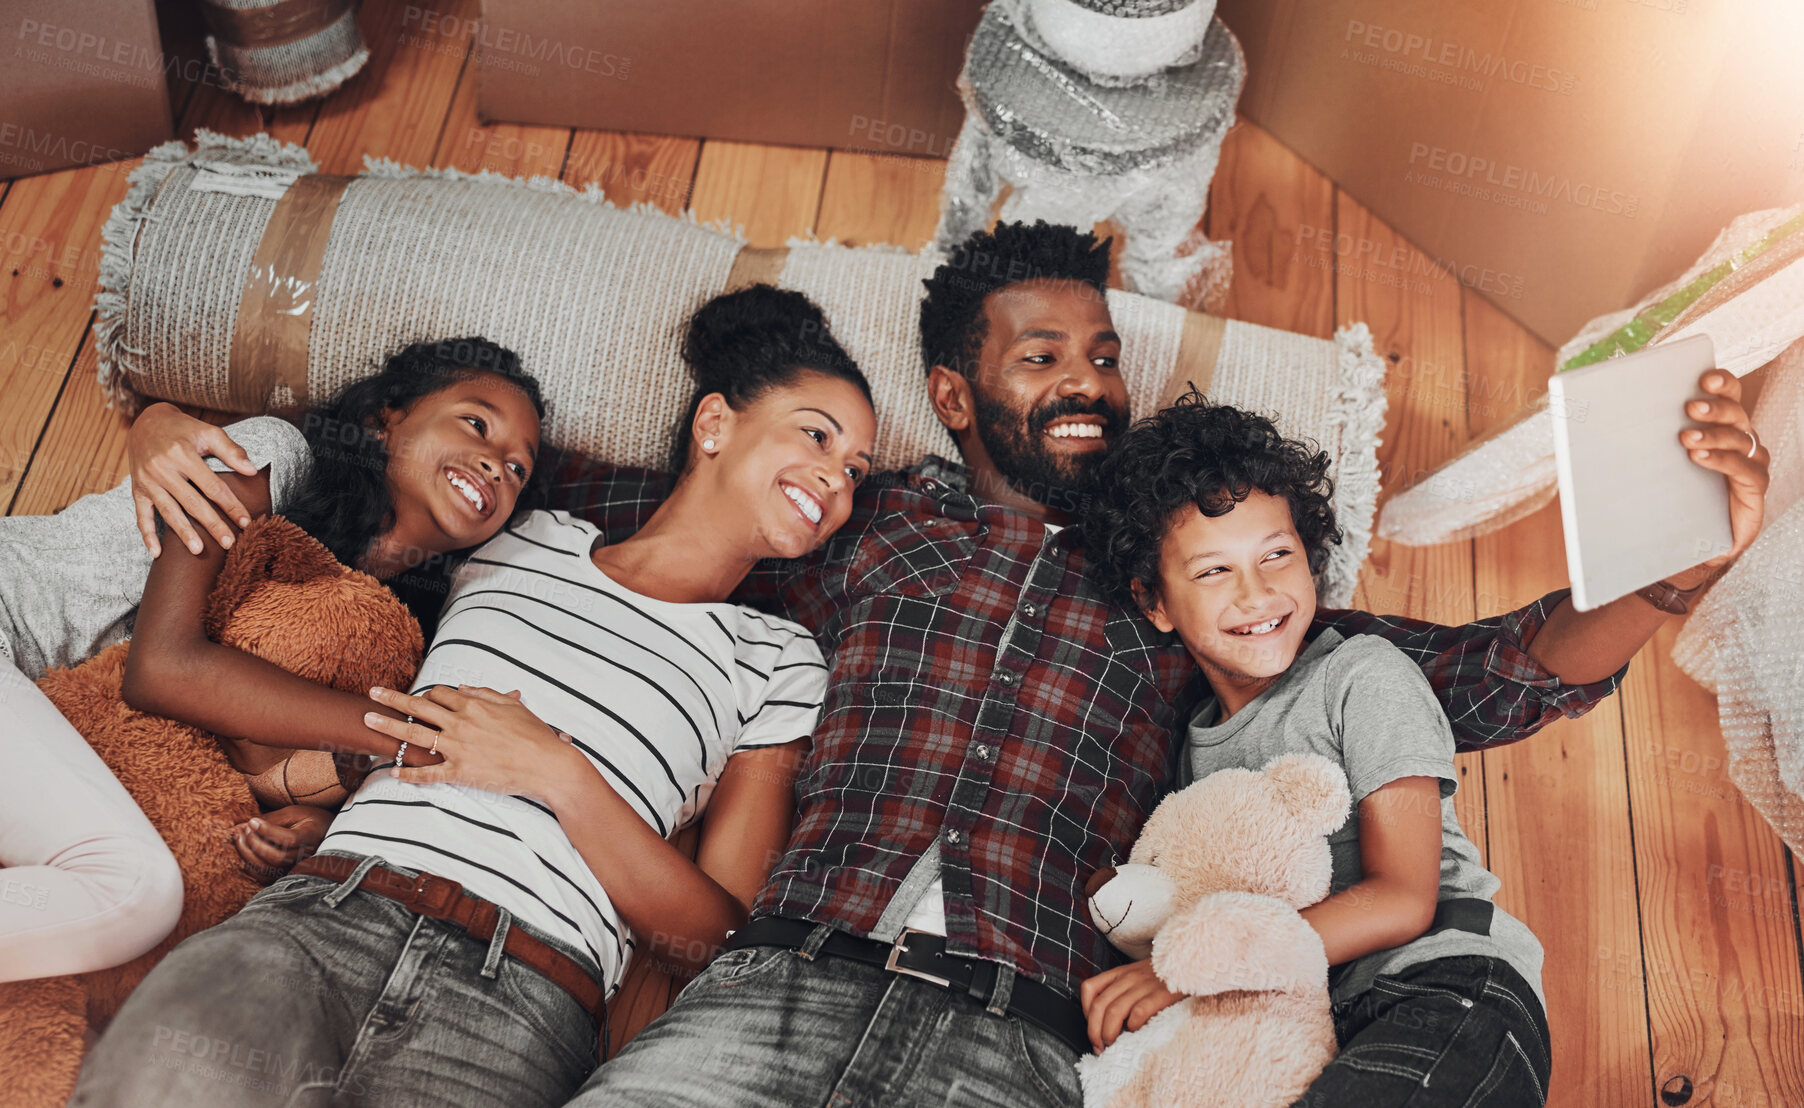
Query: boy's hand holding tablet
[1642,513]
[1727,444]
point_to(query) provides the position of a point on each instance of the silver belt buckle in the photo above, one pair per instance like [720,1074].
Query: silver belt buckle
[900,948]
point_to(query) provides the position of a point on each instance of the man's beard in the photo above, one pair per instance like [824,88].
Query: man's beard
[1016,442]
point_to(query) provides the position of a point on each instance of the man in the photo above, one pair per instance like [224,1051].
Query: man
[996,731]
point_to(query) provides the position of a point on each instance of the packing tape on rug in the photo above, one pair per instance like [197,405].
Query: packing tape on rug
[1199,347]
[276,25]
[756,265]
[275,313]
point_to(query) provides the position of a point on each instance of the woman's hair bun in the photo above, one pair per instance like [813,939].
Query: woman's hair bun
[742,344]
[745,339]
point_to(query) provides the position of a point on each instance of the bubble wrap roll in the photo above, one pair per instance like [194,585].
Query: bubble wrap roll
[1745,638]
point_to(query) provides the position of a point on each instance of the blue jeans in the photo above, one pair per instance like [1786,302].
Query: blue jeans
[764,1026]
[317,995]
[1462,1032]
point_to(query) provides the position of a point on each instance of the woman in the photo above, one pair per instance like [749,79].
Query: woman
[453,939]
[102,887]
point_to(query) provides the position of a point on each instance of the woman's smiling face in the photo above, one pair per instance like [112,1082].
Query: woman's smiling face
[791,459]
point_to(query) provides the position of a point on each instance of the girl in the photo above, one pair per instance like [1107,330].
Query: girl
[454,937]
[369,478]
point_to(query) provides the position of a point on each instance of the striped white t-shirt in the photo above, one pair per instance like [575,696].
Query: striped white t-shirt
[658,695]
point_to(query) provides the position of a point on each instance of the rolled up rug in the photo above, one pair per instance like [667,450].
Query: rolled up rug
[235,277]
[284,51]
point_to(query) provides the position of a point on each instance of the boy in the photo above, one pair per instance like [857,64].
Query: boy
[1213,524]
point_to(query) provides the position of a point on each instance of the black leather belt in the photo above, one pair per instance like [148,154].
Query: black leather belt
[923,955]
[1463,914]
[1468,913]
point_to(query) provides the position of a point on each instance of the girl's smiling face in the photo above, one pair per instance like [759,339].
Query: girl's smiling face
[458,459]
[1238,592]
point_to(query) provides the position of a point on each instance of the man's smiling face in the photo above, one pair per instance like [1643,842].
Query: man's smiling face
[1047,398]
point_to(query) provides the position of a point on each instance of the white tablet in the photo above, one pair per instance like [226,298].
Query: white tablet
[1636,507]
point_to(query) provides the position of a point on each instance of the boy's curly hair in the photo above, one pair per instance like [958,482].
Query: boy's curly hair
[1209,455]
[952,321]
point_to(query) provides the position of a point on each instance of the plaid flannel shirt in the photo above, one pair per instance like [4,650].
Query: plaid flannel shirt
[987,699]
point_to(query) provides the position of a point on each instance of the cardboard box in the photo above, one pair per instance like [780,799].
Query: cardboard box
[874,75]
[80,84]
[1563,157]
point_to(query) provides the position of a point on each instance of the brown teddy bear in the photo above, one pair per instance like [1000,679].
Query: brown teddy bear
[283,597]
[1212,888]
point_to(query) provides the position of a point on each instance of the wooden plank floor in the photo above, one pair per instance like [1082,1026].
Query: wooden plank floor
[1668,908]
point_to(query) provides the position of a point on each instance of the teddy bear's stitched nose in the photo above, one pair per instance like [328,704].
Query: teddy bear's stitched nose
[1098,879]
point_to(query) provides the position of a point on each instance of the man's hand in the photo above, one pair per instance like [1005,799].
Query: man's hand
[272,843]
[1722,447]
[1123,998]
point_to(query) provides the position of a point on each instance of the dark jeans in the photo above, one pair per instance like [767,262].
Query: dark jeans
[765,1026]
[1459,1032]
[314,995]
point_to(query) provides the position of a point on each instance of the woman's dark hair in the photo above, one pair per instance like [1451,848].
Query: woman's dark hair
[952,320]
[345,502]
[743,344]
[1209,455]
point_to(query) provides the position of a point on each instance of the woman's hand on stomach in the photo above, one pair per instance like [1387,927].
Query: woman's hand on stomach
[170,477]
[487,740]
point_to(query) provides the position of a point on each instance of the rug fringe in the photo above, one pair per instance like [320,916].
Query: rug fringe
[1359,409]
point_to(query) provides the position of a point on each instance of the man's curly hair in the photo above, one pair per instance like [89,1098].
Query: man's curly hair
[1209,455]
[952,321]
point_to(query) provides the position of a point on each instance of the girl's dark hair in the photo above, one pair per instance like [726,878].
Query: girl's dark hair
[743,344]
[345,502]
[1209,455]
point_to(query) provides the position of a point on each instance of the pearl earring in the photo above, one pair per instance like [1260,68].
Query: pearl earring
[708,445]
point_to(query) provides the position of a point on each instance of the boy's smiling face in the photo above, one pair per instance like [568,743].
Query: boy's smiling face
[1237,590]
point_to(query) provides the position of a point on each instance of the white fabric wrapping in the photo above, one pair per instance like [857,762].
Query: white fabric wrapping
[1108,47]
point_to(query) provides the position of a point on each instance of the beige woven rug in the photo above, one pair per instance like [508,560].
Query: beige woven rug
[233,277]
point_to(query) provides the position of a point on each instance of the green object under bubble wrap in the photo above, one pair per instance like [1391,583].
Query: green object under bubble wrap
[1640,330]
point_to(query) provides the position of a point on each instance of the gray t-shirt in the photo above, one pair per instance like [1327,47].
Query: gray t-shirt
[70,583]
[1362,703]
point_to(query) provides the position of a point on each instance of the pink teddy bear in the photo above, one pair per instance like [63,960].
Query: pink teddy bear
[1212,890]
